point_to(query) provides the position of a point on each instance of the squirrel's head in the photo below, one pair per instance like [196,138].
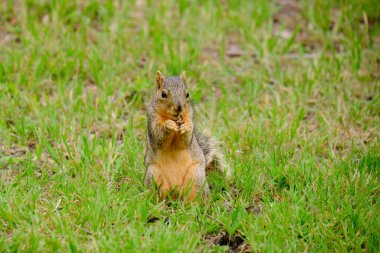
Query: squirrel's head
[172,97]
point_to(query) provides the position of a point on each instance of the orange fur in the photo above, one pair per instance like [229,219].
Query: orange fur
[176,157]
[175,165]
[175,171]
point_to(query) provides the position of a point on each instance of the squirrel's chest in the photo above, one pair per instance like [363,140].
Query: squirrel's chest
[175,165]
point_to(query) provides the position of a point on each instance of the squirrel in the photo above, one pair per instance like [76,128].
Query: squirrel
[177,156]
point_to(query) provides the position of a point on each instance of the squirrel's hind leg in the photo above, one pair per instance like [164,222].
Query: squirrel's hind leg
[152,174]
[194,183]
[148,177]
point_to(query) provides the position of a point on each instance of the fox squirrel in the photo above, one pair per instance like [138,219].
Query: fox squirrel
[177,156]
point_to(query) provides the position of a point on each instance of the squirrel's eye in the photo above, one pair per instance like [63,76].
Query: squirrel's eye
[163,94]
[187,94]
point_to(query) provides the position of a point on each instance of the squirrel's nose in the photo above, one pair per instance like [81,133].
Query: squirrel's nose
[178,109]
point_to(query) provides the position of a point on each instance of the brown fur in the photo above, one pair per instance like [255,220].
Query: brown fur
[174,163]
[176,158]
[175,171]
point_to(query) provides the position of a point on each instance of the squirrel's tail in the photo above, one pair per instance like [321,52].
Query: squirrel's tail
[213,156]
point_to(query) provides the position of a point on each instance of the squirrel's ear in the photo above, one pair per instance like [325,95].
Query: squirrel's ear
[183,76]
[159,79]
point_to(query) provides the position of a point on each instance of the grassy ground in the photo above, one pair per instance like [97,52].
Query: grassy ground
[291,88]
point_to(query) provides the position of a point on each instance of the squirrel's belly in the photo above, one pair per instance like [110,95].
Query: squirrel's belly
[175,167]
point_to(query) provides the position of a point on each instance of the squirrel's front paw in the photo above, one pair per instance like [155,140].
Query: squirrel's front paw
[184,128]
[170,125]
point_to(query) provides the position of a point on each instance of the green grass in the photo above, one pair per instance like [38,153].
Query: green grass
[292,89]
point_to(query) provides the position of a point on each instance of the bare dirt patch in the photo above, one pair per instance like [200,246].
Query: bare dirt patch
[235,243]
